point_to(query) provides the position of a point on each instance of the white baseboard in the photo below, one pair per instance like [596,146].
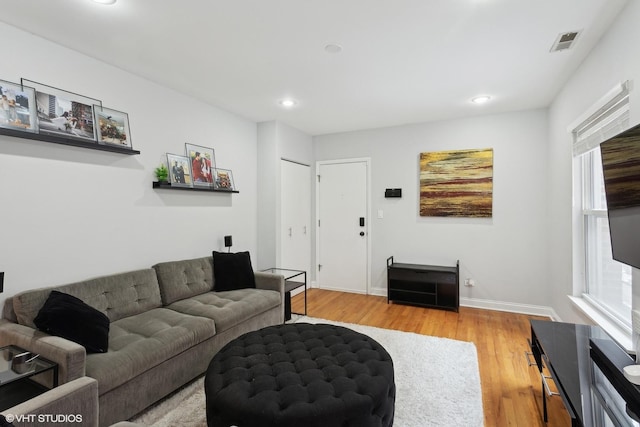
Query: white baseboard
[378,292]
[351,291]
[511,307]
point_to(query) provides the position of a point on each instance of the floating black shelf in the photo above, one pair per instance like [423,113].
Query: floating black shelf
[67,141]
[168,186]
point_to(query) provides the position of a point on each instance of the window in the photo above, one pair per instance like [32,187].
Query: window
[607,283]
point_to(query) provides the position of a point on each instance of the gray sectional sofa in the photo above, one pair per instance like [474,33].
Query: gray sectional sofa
[166,323]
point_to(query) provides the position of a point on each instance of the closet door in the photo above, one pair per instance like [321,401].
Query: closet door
[295,216]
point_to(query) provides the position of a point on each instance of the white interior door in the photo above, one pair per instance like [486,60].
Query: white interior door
[343,226]
[295,216]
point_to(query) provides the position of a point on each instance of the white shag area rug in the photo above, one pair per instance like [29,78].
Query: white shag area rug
[437,383]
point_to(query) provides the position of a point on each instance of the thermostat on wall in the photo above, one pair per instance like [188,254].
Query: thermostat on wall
[393,192]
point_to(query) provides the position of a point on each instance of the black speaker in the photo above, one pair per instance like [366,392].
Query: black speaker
[228,242]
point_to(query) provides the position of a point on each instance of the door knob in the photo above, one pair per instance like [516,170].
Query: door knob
[362,233]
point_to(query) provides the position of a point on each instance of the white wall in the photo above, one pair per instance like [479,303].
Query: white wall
[268,178]
[69,213]
[295,145]
[505,254]
[611,62]
[276,141]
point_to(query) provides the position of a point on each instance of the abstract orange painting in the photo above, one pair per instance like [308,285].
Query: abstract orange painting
[457,183]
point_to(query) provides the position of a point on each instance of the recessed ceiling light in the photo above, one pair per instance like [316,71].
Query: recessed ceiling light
[333,48]
[105,1]
[288,103]
[480,99]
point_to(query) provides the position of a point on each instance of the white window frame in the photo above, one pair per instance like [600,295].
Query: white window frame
[606,118]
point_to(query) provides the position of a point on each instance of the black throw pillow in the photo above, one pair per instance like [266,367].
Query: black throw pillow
[232,271]
[69,317]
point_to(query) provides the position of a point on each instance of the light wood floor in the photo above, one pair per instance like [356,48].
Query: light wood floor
[511,390]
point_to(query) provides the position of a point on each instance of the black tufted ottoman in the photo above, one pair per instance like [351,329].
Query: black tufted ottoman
[301,375]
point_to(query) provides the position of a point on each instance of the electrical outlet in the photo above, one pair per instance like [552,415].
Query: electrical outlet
[469,282]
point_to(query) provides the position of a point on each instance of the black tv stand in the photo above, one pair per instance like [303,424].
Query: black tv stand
[586,366]
[431,286]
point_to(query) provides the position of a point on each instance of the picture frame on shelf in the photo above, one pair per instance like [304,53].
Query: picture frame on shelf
[223,180]
[179,170]
[18,107]
[112,127]
[203,162]
[65,114]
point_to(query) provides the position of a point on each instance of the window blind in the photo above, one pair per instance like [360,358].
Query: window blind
[609,120]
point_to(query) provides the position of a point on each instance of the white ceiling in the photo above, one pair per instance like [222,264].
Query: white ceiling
[403,61]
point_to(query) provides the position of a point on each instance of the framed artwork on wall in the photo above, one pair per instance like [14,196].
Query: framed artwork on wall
[65,114]
[112,127]
[457,183]
[203,162]
[18,107]
[223,180]
[179,170]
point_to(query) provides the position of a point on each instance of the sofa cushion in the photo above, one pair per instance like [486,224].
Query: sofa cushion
[229,308]
[184,279]
[140,342]
[232,271]
[69,317]
[118,295]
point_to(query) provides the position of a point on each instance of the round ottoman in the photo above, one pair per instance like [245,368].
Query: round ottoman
[299,375]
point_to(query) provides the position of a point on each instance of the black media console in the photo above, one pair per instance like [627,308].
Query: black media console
[426,285]
[586,366]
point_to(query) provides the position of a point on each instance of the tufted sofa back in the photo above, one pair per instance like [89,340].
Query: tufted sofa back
[118,295]
[183,279]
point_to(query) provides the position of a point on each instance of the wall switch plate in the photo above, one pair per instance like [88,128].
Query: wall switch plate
[380,214]
[469,282]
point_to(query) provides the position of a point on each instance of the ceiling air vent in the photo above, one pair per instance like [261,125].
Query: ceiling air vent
[564,41]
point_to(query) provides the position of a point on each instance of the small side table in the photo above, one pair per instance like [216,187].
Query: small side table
[15,384]
[289,285]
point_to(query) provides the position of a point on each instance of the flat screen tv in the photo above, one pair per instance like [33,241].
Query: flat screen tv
[621,169]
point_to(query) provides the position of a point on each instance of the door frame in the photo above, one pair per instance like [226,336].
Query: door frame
[367,161]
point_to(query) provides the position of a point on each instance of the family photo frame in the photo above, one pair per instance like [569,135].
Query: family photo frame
[179,170]
[112,127]
[223,180]
[18,107]
[203,163]
[65,114]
